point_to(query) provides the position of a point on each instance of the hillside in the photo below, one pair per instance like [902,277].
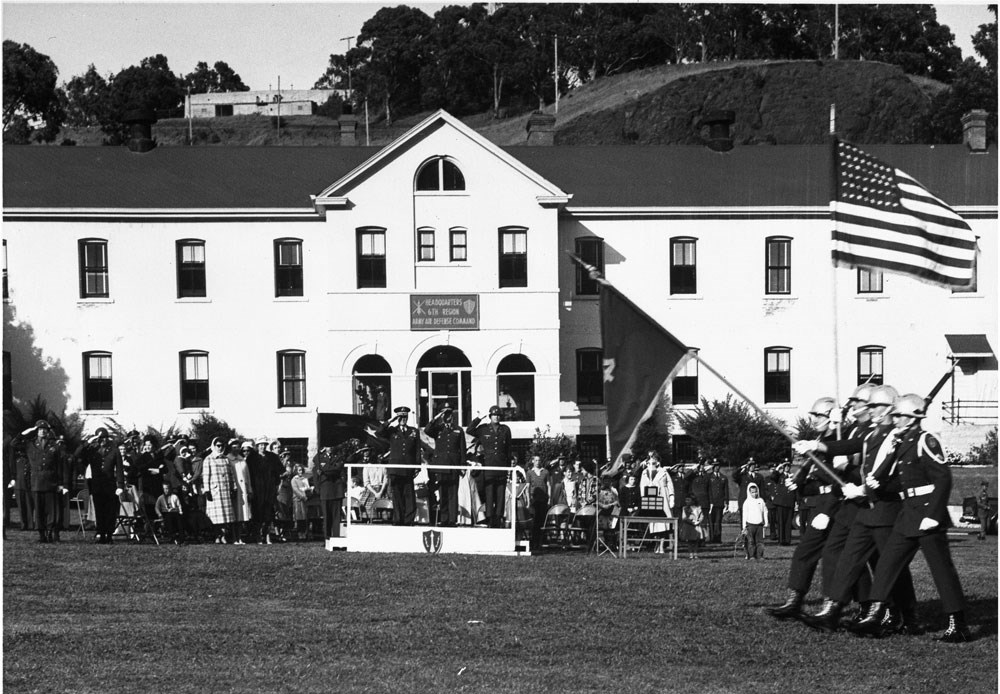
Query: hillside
[785,102]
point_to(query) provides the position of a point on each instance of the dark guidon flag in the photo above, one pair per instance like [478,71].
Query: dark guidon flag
[884,219]
[640,360]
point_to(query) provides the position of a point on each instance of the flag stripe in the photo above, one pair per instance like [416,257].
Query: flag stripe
[885,219]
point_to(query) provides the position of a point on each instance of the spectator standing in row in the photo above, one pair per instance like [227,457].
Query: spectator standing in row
[217,474]
[692,526]
[374,480]
[265,472]
[244,489]
[538,492]
[557,478]
[783,500]
[332,486]
[301,491]
[653,475]
[718,500]
[754,522]
[746,475]
[697,487]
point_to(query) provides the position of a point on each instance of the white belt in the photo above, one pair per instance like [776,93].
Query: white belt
[826,489]
[916,491]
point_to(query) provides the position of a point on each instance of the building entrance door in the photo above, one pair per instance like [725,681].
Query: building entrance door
[444,379]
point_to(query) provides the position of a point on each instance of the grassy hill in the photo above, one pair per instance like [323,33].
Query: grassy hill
[780,102]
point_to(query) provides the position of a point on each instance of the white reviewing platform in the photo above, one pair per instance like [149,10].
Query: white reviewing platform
[425,539]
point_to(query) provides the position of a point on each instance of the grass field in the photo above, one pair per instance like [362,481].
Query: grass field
[91,618]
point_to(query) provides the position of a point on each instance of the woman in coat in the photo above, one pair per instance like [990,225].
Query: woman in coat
[244,490]
[654,475]
[301,490]
[218,483]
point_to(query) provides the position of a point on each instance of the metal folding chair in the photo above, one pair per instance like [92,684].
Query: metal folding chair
[81,503]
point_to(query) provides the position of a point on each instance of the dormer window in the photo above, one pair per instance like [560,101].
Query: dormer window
[440,174]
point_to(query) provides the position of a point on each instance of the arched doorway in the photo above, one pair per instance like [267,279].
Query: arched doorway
[372,387]
[444,379]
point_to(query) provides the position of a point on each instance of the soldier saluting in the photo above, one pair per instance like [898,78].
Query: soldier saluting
[404,447]
[494,438]
[449,449]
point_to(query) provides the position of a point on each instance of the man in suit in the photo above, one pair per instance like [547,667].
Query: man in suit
[924,484]
[50,474]
[449,449]
[329,466]
[105,480]
[718,500]
[494,438]
[404,449]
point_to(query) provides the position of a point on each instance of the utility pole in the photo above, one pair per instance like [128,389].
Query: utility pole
[836,32]
[555,71]
[279,109]
[348,39]
[190,128]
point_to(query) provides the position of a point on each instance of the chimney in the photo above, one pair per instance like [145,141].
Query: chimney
[718,122]
[974,130]
[348,126]
[141,131]
[541,129]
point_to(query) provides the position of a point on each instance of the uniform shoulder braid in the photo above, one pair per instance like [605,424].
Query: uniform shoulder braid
[931,447]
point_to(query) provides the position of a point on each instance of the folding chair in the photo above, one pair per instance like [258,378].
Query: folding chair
[383,511]
[583,524]
[556,526]
[81,502]
[357,511]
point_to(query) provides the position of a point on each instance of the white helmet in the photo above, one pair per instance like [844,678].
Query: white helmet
[823,407]
[883,395]
[861,394]
[911,405]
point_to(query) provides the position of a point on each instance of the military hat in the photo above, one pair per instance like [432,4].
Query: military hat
[42,424]
[100,433]
[494,410]
[402,409]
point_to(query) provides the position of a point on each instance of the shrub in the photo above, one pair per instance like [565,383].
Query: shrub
[984,453]
[653,436]
[732,432]
[207,427]
[549,446]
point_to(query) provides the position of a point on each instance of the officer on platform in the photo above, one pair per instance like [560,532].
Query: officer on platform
[494,438]
[449,449]
[404,448]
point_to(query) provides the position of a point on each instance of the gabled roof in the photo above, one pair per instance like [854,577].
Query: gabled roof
[416,134]
[627,176]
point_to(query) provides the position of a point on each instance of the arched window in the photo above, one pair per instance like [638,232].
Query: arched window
[516,388]
[444,379]
[440,174]
[372,387]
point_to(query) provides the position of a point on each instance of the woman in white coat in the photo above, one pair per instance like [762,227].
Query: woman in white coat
[241,499]
[655,475]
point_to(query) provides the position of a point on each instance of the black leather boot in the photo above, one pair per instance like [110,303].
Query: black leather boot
[957,631]
[828,618]
[871,624]
[792,607]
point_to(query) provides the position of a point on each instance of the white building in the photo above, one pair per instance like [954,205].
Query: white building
[269,286]
[287,102]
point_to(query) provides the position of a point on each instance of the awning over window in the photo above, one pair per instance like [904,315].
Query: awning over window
[969,346]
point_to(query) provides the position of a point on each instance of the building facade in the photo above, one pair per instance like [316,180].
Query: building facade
[287,102]
[270,286]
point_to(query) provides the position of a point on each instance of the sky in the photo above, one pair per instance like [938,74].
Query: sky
[262,42]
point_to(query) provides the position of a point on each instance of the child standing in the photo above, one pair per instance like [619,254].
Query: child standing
[692,524]
[754,522]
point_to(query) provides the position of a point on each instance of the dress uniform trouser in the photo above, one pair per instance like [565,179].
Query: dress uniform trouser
[895,559]
[46,511]
[333,511]
[105,509]
[404,502]
[783,524]
[805,558]
[715,523]
[448,501]
[496,495]
[26,507]
[864,544]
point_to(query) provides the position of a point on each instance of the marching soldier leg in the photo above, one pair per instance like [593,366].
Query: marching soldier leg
[938,555]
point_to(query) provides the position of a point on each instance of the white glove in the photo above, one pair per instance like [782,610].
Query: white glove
[820,521]
[871,482]
[853,491]
[11,485]
[62,490]
[119,491]
[790,484]
[803,447]
[840,462]
[928,524]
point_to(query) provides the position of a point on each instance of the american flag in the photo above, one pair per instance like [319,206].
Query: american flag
[884,219]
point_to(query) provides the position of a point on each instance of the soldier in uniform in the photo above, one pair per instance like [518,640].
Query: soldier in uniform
[924,484]
[718,500]
[22,483]
[494,438]
[332,485]
[449,449]
[404,448]
[816,490]
[696,484]
[872,522]
[783,500]
[50,473]
[105,479]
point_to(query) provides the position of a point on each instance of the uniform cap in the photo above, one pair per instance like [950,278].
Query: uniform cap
[42,424]
[494,410]
[403,409]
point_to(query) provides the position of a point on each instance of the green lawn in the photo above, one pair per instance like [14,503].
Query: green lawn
[209,618]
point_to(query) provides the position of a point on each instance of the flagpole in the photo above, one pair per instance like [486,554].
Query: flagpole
[815,460]
[836,316]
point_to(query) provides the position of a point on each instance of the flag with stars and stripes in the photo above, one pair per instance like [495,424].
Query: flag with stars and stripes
[884,219]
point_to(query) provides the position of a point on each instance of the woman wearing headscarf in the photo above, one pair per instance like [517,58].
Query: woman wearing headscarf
[218,483]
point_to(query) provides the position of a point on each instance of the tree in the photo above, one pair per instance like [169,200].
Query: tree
[219,78]
[451,77]
[652,437]
[207,427]
[732,432]
[549,446]
[86,96]
[149,85]
[29,89]
[393,40]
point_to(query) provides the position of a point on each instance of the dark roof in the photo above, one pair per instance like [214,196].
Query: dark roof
[596,176]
